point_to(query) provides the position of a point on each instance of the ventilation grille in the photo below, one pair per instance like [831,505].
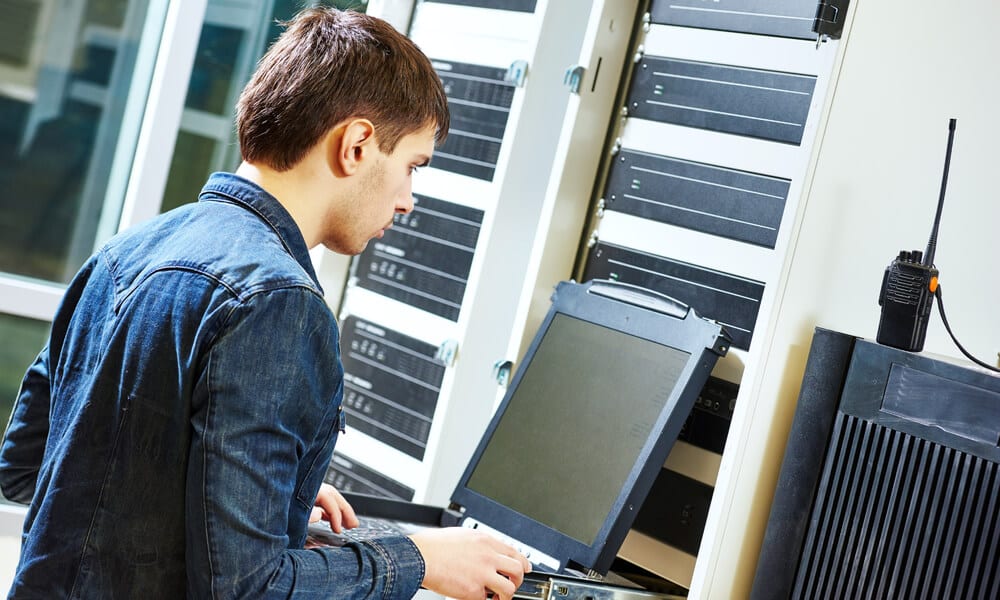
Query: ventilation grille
[897,516]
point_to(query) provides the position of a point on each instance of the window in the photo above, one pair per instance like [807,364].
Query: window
[233,38]
[23,339]
[66,77]
[91,95]
[74,78]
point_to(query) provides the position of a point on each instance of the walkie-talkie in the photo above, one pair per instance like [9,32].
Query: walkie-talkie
[909,283]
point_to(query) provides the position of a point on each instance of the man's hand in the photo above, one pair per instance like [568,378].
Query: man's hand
[332,507]
[467,564]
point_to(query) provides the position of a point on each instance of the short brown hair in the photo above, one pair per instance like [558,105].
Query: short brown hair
[332,65]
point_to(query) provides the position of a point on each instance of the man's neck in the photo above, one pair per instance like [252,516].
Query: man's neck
[295,191]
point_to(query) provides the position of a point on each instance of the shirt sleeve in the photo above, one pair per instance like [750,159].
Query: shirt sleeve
[265,420]
[27,430]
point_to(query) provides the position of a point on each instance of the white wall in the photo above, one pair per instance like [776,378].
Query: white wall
[906,70]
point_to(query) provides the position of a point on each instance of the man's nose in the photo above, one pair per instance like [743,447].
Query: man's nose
[405,203]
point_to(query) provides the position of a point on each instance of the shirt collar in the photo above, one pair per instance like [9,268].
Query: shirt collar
[227,187]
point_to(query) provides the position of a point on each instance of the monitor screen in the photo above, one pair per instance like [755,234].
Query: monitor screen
[576,424]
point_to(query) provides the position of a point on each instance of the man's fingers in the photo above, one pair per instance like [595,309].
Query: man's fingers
[336,521]
[468,564]
[502,587]
[513,568]
[337,509]
[509,551]
[350,519]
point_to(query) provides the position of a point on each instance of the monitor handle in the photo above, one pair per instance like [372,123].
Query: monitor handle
[639,296]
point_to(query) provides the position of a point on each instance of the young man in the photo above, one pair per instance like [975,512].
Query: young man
[173,435]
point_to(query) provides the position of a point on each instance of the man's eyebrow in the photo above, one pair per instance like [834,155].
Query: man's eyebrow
[426,160]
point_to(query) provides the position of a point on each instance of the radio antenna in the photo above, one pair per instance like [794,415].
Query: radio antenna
[932,242]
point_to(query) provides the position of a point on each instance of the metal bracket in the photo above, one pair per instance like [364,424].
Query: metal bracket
[573,78]
[830,16]
[501,371]
[517,72]
[447,352]
[640,52]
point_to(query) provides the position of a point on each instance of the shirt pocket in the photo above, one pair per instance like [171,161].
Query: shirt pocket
[309,487]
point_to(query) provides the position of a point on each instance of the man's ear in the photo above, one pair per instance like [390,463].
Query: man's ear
[349,144]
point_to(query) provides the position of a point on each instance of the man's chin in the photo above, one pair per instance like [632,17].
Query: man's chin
[347,251]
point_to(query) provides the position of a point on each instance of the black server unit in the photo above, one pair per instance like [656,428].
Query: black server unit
[890,486]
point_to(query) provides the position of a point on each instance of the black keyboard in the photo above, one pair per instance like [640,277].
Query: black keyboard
[368,528]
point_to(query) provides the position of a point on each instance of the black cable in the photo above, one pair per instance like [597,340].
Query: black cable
[944,319]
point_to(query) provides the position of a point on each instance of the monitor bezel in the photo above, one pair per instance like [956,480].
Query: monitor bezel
[620,307]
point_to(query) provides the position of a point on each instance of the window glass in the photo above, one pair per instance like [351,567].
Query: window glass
[67,70]
[22,341]
[65,74]
[214,68]
[233,39]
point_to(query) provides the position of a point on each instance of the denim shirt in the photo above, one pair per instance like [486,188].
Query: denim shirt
[172,436]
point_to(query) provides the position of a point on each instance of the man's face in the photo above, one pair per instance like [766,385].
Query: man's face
[383,189]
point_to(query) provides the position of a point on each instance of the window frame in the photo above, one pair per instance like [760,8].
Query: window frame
[144,147]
